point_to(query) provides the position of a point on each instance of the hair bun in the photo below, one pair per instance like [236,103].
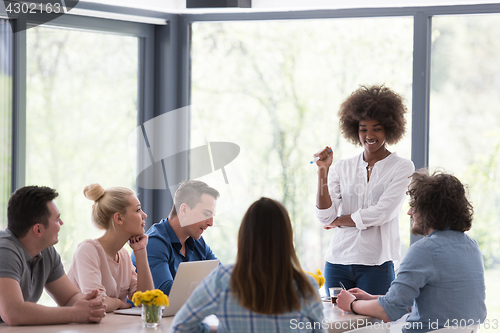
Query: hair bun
[93,191]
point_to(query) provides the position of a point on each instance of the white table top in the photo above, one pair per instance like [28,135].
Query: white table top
[339,321]
[336,319]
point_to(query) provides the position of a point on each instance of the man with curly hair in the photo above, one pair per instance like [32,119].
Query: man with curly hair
[361,197]
[442,275]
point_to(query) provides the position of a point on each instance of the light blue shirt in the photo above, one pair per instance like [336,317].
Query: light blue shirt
[214,296]
[442,277]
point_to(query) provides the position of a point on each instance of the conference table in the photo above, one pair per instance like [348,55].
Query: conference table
[336,321]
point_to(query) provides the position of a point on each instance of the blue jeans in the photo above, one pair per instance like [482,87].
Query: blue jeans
[375,280]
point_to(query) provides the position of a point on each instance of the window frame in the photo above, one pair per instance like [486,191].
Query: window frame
[165,70]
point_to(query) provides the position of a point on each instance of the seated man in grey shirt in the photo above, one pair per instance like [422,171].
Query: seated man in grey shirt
[29,263]
[442,276]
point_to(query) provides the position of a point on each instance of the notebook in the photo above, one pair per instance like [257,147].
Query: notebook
[188,277]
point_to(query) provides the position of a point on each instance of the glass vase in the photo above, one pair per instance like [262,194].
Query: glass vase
[151,315]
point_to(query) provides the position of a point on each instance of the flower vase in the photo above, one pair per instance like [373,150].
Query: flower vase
[151,315]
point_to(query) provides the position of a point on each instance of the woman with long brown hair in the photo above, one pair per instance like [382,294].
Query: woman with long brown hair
[265,290]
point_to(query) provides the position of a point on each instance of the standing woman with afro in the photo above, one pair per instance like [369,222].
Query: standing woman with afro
[361,197]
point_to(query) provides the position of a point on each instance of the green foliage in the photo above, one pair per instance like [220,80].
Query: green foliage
[465,116]
[484,191]
[82,95]
[274,88]
[465,124]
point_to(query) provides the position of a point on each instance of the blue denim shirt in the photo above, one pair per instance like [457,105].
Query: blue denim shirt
[442,277]
[164,254]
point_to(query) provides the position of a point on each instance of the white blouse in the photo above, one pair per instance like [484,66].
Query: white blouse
[374,206]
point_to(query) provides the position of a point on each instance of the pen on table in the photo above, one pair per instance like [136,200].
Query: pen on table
[342,285]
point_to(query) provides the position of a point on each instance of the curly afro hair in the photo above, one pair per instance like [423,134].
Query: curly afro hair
[375,102]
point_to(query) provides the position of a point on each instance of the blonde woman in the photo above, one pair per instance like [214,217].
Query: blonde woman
[104,263]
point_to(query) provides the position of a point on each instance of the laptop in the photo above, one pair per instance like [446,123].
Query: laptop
[188,277]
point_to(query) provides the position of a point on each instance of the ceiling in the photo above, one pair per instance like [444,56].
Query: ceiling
[179,6]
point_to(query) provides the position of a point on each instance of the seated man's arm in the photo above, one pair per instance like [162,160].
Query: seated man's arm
[64,292]
[209,255]
[15,311]
[367,306]
[414,273]
[371,308]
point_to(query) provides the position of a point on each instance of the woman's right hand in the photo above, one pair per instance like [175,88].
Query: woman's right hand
[125,305]
[325,157]
[138,242]
[113,303]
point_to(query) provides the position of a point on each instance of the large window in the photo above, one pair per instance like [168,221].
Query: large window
[5,118]
[465,125]
[81,107]
[274,88]
[271,87]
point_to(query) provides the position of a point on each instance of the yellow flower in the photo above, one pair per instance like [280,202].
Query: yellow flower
[150,297]
[161,300]
[318,277]
[147,297]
